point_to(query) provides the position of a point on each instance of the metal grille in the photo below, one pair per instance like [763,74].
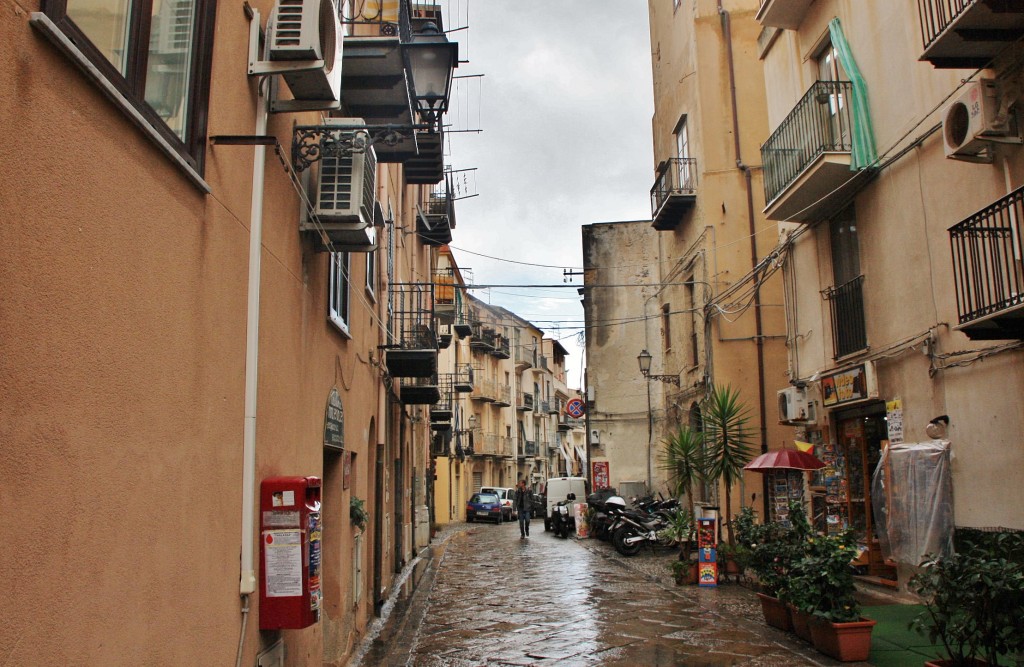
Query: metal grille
[677,177]
[987,253]
[848,331]
[413,317]
[819,123]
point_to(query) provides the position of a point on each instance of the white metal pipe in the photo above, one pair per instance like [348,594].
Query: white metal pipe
[247,583]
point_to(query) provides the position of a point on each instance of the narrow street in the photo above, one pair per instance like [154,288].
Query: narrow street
[489,598]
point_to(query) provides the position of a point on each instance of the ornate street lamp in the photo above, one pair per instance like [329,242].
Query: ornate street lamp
[432,60]
[644,359]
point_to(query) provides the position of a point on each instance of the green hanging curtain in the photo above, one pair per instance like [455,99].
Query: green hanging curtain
[864,153]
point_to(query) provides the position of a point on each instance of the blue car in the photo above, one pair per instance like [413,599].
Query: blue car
[484,507]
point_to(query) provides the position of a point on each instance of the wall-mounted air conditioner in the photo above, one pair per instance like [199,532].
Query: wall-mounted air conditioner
[308,31]
[342,190]
[974,120]
[444,336]
[795,406]
[177,23]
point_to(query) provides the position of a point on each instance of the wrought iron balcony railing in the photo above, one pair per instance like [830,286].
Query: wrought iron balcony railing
[819,123]
[968,33]
[849,333]
[987,269]
[674,191]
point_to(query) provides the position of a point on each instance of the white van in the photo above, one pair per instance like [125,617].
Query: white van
[558,489]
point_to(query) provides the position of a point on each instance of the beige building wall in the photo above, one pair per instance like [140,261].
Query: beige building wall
[701,321]
[122,358]
[902,219]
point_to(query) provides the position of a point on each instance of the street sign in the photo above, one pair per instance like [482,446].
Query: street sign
[575,408]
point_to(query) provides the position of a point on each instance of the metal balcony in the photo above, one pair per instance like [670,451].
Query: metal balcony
[462,381]
[501,347]
[674,192]
[427,167]
[807,159]
[412,349]
[483,337]
[987,270]
[524,401]
[530,448]
[849,333]
[786,14]
[436,217]
[442,410]
[374,81]
[525,358]
[419,390]
[967,34]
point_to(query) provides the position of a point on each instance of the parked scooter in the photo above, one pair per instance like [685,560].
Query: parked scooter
[563,523]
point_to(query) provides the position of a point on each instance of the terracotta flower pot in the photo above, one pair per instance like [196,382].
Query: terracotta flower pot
[776,613]
[846,642]
[801,623]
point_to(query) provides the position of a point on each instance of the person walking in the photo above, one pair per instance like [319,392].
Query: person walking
[522,505]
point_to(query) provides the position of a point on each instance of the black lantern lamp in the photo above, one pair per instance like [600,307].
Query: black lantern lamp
[432,60]
[644,359]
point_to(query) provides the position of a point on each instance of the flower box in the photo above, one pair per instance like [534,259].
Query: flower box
[776,613]
[801,623]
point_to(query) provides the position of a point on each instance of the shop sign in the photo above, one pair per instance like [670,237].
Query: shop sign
[846,386]
[894,420]
[334,422]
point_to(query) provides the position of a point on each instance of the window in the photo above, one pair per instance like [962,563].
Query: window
[338,307]
[155,53]
[371,274]
[666,327]
[830,71]
[849,333]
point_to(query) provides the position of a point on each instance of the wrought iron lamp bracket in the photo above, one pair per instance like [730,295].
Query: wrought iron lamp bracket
[311,143]
[668,379]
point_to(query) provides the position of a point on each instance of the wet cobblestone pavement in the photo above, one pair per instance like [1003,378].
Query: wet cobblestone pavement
[494,599]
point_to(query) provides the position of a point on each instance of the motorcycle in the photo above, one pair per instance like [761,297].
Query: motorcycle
[563,523]
[634,528]
[605,506]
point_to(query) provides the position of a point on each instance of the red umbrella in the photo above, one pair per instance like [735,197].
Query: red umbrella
[785,459]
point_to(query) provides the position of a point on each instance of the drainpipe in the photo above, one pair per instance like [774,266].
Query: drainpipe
[752,226]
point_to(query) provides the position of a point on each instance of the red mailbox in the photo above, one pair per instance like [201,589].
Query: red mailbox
[290,534]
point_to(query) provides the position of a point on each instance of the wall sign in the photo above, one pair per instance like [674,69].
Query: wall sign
[334,422]
[844,386]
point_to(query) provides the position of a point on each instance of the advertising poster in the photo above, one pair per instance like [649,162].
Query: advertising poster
[602,475]
[283,558]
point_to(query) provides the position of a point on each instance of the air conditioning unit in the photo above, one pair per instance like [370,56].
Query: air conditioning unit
[308,31]
[795,406]
[973,121]
[177,21]
[342,190]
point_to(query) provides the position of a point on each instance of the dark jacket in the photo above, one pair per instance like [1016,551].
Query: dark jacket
[521,500]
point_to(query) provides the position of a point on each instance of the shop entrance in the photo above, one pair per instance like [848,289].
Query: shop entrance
[844,486]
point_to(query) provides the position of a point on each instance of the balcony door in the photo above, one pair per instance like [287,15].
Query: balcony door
[831,99]
[848,328]
[683,153]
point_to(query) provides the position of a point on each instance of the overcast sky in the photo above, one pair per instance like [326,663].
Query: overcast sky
[564,105]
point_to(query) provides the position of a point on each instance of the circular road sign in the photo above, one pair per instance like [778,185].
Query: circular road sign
[575,408]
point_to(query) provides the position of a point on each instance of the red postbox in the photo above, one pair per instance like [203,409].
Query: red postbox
[290,533]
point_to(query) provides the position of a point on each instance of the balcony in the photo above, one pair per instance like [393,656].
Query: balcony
[525,358]
[807,159]
[524,401]
[437,217]
[674,192]
[412,350]
[987,270]
[502,395]
[484,390]
[419,390]
[445,298]
[786,14]
[567,423]
[441,412]
[374,80]
[967,34]
[427,167]
[530,448]
[501,347]
[462,380]
[849,334]
[483,338]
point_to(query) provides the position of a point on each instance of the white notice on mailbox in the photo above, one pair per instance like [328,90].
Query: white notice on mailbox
[283,562]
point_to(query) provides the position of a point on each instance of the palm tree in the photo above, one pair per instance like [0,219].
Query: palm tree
[683,459]
[729,442]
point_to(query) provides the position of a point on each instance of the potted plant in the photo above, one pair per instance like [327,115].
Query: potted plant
[684,571]
[728,438]
[679,531]
[357,513]
[683,460]
[773,547]
[822,580]
[974,600]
